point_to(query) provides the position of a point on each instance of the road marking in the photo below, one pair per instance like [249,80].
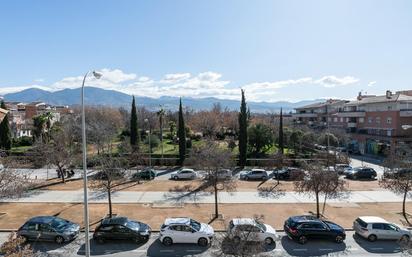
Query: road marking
[325,249]
[193,251]
[300,250]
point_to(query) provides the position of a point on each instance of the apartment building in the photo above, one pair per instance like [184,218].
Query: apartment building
[374,123]
[21,115]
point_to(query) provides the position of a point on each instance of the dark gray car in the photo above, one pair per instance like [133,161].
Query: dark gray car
[49,228]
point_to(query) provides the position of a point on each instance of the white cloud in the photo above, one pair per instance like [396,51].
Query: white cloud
[205,84]
[333,81]
[371,83]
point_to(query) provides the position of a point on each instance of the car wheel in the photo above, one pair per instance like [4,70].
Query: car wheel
[25,239]
[268,241]
[59,240]
[246,178]
[192,177]
[167,241]
[202,242]
[405,239]
[175,178]
[339,239]
[372,238]
[99,240]
[303,240]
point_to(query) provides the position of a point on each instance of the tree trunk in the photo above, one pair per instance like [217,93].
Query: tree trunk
[109,197]
[317,205]
[405,193]
[61,174]
[216,199]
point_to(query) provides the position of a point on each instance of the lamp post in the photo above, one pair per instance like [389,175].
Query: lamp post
[85,200]
[150,147]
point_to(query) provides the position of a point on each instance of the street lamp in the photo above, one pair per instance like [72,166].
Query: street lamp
[86,201]
[150,146]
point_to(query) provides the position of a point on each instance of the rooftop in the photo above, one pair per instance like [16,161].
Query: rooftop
[115,220]
[181,220]
[372,219]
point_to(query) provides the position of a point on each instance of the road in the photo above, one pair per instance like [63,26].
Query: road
[353,246]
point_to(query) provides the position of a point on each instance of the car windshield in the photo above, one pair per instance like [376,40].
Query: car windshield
[133,225]
[261,226]
[59,224]
[195,225]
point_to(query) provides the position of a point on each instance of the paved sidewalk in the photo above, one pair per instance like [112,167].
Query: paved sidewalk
[49,196]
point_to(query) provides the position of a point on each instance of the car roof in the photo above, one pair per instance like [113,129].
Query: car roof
[303,218]
[243,221]
[373,219]
[187,169]
[180,221]
[115,221]
[42,219]
[257,170]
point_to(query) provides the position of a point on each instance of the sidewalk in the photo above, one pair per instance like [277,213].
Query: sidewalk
[49,196]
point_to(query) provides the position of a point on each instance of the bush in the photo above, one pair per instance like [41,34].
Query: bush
[22,141]
[154,141]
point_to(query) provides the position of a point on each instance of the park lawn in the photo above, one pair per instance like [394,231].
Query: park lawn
[20,149]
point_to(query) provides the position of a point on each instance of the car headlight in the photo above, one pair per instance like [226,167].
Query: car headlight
[144,233]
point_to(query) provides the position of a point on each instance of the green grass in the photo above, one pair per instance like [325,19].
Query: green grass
[20,149]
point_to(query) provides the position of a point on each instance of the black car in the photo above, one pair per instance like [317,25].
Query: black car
[288,173]
[302,228]
[145,174]
[122,228]
[361,173]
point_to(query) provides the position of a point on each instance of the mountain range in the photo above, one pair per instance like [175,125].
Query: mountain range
[97,96]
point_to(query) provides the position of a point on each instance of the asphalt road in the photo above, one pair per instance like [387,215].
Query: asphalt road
[353,246]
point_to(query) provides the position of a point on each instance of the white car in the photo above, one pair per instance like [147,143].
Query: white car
[223,174]
[374,228]
[247,229]
[183,174]
[185,230]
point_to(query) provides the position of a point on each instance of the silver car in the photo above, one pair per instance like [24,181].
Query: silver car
[49,228]
[374,228]
[183,174]
[254,174]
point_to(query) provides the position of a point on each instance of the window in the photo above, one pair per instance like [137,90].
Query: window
[106,228]
[335,119]
[30,226]
[187,229]
[341,119]
[361,120]
[347,119]
[370,120]
[377,226]
[389,120]
[389,227]
[378,120]
[45,228]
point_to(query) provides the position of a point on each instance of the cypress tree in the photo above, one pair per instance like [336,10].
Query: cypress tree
[5,135]
[134,132]
[181,134]
[243,118]
[281,146]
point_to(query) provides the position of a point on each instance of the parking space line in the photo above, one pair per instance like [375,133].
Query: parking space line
[193,251]
[325,249]
[167,251]
[300,250]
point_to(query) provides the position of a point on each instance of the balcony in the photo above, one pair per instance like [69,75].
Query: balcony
[405,113]
[305,115]
[351,114]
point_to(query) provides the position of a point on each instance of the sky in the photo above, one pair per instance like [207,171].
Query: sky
[275,50]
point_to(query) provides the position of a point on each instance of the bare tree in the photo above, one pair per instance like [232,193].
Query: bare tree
[213,159]
[16,246]
[111,175]
[398,176]
[12,184]
[320,181]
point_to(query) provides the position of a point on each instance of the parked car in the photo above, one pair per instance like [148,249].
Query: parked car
[49,228]
[147,173]
[247,229]
[288,173]
[122,228]
[397,173]
[374,228]
[185,230]
[222,174]
[360,172]
[340,168]
[303,228]
[254,174]
[183,174]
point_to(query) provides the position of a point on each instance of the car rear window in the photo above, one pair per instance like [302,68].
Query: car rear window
[361,223]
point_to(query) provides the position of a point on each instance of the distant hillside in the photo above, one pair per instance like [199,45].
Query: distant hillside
[98,96]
